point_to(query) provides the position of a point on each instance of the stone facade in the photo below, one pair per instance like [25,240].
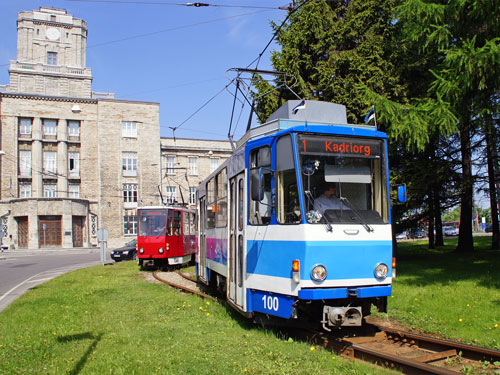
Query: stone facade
[74,160]
[187,162]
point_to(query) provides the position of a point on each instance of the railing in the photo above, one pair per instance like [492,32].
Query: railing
[57,69]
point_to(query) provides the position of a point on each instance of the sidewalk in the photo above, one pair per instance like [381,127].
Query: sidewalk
[47,251]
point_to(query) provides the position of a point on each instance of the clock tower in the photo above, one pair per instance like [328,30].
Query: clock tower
[51,55]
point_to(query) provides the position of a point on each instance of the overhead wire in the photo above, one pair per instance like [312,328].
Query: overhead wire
[196,4]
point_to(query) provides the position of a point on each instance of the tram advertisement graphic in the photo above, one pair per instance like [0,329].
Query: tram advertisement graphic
[344,146]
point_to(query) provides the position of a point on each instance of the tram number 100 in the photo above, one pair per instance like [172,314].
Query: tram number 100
[270,303]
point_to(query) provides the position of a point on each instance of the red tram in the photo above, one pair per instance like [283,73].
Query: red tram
[166,236]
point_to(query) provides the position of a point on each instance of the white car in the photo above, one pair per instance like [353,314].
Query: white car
[402,236]
[450,231]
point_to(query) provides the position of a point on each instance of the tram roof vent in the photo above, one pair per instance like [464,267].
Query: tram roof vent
[315,111]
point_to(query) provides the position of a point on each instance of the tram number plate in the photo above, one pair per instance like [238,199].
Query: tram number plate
[272,303]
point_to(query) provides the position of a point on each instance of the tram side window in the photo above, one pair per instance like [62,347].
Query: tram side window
[260,211]
[288,207]
[221,210]
[177,223]
[185,223]
[211,203]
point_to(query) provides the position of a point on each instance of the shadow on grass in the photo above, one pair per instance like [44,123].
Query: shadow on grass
[443,266]
[82,336]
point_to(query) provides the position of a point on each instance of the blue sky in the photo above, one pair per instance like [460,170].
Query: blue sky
[181,65]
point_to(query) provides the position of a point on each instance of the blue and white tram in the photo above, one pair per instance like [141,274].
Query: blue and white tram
[266,241]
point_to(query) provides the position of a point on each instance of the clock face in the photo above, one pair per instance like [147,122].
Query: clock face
[52,33]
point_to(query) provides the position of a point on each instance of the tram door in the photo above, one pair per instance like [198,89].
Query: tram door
[236,240]
[202,261]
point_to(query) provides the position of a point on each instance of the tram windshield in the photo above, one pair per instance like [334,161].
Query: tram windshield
[152,223]
[344,180]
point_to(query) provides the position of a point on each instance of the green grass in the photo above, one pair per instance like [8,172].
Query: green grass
[111,320]
[454,295]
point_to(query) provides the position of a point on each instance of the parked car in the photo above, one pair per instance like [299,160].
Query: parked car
[402,236]
[419,234]
[489,228]
[127,252]
[450,231]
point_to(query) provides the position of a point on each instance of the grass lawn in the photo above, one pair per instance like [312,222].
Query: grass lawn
[110,320]
[454,295]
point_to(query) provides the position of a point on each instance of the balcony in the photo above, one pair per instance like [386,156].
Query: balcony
[39,68]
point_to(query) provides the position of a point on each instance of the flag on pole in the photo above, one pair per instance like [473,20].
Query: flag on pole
[370,115]
[301,105]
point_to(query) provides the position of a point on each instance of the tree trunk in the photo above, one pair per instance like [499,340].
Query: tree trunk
[492,160]
[437,217]
[432,243]
[465,241]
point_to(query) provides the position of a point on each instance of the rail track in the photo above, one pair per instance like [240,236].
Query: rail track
[404,351]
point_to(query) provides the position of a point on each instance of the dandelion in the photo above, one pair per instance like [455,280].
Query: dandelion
[178,308]
[313,348]
[86,312]
[416,299]
[333,357]
[201,308]
[208,314]
[54,333]
[208,303]
[496,325]
[468,305]
[460,320]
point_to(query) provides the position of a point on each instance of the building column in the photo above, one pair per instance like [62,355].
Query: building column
[37,160]
[62,160]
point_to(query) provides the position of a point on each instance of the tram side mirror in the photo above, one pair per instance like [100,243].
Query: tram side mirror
[402,193]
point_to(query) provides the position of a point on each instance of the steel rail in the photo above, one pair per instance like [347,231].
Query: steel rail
[182,287]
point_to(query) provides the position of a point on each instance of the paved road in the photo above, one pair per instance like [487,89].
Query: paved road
[22,270]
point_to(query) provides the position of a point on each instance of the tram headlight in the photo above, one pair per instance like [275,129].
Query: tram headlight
[319,273]
[381,271]
[141,250]
[160,250]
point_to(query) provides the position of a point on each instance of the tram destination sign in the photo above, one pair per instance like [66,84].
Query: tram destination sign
[339,146]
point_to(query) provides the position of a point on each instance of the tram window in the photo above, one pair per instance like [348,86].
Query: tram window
[260,211]
[240,205]
[211,203]
[185,223]
[288,207]
[177,223]
[170,223]
[221,212]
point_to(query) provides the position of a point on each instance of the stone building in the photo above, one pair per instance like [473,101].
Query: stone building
[187,162]
[73,161]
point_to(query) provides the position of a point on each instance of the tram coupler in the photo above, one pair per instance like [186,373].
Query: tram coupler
[336,316]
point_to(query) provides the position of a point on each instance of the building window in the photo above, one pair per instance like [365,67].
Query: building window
[192,195]
[25,125]
[129,163]
[74,164]
[130,193]
[50,190]
[170,164]
[24,190]
[214,163]
[170,194]
[74,128]
[49,127]
[193,166]
[51,58]
[25,163]
[129,129]
[50,162]
[130,224]
[74,190]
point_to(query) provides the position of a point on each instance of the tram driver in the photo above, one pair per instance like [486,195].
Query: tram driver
[328,200]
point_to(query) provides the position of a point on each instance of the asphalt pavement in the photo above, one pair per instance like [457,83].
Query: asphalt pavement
[21,270]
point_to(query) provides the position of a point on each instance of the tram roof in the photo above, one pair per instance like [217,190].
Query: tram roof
[315,113]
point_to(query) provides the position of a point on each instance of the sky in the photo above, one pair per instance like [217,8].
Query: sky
[174,55]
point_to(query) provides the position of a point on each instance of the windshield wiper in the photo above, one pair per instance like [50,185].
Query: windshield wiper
[365,225]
